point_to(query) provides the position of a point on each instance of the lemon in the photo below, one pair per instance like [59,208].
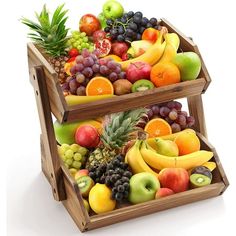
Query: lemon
[100,199]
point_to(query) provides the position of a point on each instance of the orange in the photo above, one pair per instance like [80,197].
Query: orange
[165,73]
[99,86]
[114,57]
[157,127]
[187,142]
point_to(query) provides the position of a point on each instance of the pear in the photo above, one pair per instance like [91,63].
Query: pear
[167,147]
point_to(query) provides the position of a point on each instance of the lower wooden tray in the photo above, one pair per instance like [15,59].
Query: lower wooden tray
[74,204]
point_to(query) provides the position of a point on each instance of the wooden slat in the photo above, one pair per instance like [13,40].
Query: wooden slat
[186,44]
[196,110]
[135,100]
[44,110]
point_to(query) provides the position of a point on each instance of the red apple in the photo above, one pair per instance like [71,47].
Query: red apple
[87,136]
[150,34]
[163,192]
[99,35]
[138,70]
[82,172]
[177,179]
[119,48]
[89,24]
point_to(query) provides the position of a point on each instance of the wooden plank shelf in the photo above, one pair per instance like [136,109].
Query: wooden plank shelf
[65,113]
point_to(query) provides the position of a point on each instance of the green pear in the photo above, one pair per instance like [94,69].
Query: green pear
[189,64]
[167,147]
[143,187]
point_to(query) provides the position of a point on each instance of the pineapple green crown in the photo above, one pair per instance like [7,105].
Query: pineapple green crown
[50,34]
[120,126]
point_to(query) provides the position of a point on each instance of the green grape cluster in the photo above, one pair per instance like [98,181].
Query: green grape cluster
[73,156]
[80,41]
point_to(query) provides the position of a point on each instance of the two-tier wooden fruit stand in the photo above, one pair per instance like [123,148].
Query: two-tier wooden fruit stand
[50,100]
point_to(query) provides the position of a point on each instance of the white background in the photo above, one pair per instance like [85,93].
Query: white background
[31,209]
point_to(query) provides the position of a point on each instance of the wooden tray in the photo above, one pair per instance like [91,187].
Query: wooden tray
[65,189]
[65,113]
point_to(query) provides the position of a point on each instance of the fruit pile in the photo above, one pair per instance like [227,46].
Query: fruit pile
[119,52]
[134,156]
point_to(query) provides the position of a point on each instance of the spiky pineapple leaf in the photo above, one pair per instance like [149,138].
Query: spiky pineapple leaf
[49,34]
[117,132]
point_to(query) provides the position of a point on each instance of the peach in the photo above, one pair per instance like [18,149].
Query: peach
[163,192]
[80,173]
[177,179]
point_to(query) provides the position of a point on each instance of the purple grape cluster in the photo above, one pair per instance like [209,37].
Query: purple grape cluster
[115,175]
[172,113]
[87,65]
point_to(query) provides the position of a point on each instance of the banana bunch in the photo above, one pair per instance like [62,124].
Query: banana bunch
[135,160]
[158,161]
[152,55]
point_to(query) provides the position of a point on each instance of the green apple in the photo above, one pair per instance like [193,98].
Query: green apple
[65,133]
[112,9]
[143,187]
[102,20]
[189,64]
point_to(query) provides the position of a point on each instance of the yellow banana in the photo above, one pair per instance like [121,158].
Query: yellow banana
[135,160]
[174,39]
[72,100]
[152,141]
[158,161]
[171,47]
[151,56]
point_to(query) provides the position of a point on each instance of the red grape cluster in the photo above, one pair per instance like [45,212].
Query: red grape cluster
[87,65]
[171,112]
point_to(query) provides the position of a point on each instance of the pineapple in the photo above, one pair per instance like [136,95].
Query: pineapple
[117,131]
[51,36]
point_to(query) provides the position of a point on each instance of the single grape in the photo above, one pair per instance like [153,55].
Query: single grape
[69,153]
[153,21]
[178,106]
[190,121]
[69,162]
[173,115]
[127,174]
[85,39]
[79,59]
[171,104]
[120,188]
[76,164]
[82,34]
[77,156]
[181,120]
[130,14]
[126,185]
[138,36]
[118,196]
[164,111]
[85,53]
[169,121]
[175,127]
[88,72]
[74,147]
[117,70]
[81,91]
[149,25]
[95,68]
[107,29]
[111,64]
[122,75]
[65,146]
[144,21]
[138,14]
[73,84]
[129,32]
[113,77]
[103,62]
[155,109]
[184,113]
[109,22]
[104,70]
[133,26]
[79,67]
[80,78]
[88,61]
[83,151]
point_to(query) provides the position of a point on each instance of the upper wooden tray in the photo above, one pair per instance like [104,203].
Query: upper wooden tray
[65,113]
